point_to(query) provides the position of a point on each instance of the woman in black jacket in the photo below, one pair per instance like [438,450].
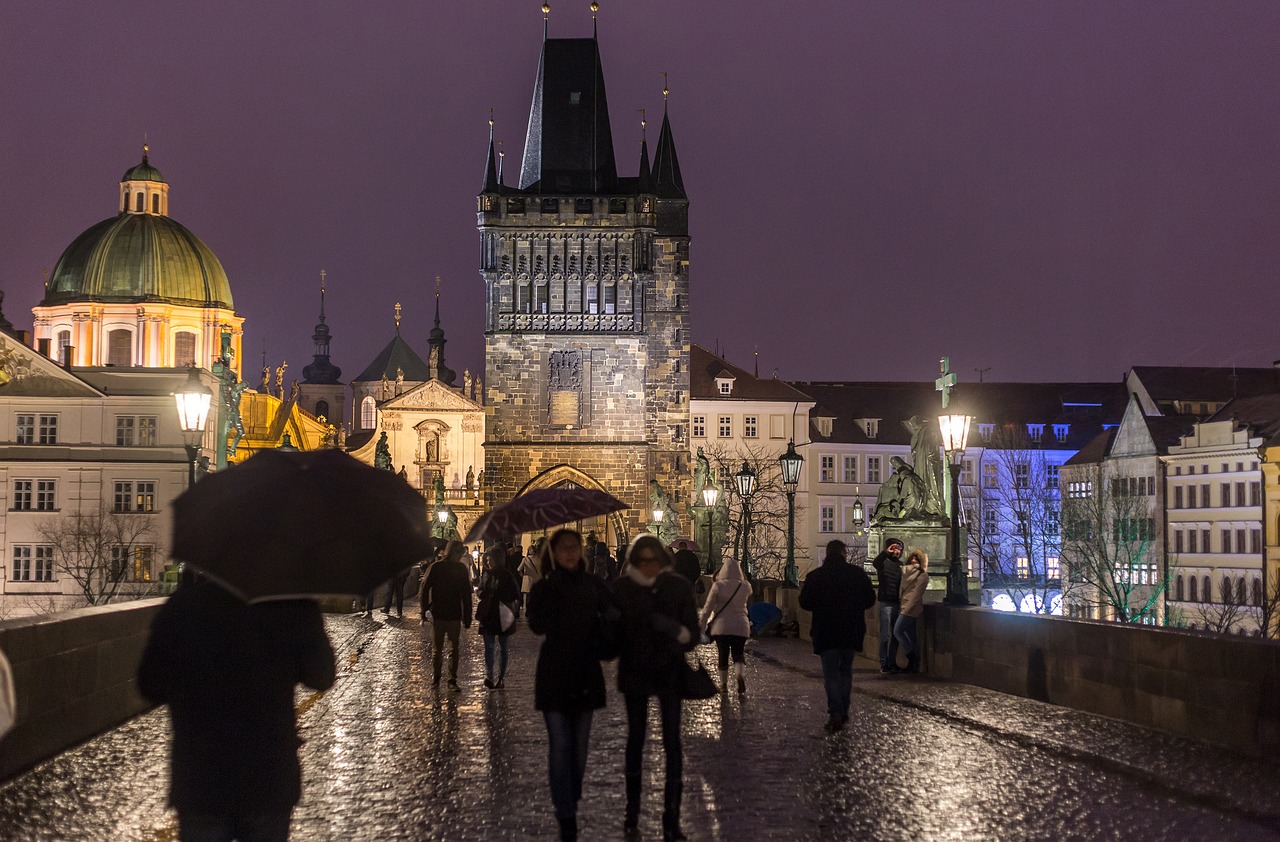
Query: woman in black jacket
[659,624]
[497,588]
[572,608]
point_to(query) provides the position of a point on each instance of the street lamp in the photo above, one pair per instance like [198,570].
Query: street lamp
[442,515]
[955,436]
[658,515]
[710,496]
[193,401]
[746,480]
[791,463]
[859,519]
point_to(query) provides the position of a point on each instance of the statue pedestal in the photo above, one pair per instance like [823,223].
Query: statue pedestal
[934,540]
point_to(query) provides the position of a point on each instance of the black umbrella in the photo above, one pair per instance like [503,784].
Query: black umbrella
[544,508]
[301,524]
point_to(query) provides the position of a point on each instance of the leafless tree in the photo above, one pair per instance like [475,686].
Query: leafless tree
[108,554]
[1228,614]
[1018,527]
[766,539]
[1110,548]
[1267,613]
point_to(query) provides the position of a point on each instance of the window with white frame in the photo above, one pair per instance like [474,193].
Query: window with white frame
[47,429]
[750,426]
[699,426]
[966,472]
[726,426]
[1052,521]
[1053,567]
[850,469]
[1060,431]
[1023,567]
[1035,432]
[826,518]
[1021,475]
[137,430]
[990,475]
[724,385]
[826,468]
[46,495]
[24,429]
[986,431]
[873,469]
[1053,475]
[32,563]
[990,520]
[135,496]
[39,495]
[135,564]
[368,413]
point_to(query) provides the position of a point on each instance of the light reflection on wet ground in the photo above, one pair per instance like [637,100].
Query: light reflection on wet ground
[389,757]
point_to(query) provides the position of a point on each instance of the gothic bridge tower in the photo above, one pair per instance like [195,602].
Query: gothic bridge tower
[586,276]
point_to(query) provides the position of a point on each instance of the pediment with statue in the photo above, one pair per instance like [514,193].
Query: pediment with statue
[24,371]
[432,395]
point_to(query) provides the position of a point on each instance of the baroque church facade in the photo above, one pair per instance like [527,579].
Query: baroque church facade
[586,277]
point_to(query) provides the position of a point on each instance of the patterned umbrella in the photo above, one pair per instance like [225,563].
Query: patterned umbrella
[284,525]
[542,509]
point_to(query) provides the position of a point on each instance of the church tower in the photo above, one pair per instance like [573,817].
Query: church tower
[321,392]
[587,304]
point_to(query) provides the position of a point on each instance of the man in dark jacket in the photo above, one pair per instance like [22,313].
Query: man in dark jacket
[227,671]
[838,594]
[687,564]
[446,593]
[888,567]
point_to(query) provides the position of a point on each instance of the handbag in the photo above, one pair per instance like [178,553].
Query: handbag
[694,682]
[706,631]
[506,617]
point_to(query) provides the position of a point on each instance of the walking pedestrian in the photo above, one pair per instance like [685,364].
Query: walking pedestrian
[573,610]
[888,567]
[838,594]
[446,593]
[395,593]
[531,569]
[659,624]
[497,592]
[915,578]
[725,617]
[687,564]
[227,671]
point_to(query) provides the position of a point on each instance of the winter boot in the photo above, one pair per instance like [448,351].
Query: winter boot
[742,681]
[913,663]
[631,824]
[671,812]
[569,830]
[724,680]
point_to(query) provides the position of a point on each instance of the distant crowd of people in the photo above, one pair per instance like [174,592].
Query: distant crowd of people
[227,670]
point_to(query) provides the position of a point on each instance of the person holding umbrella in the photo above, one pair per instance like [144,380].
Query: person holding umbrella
[227,671]
[446,593]
[498,591]
[573,610]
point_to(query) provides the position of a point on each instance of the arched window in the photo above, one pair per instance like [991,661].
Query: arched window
[126,200]
[64,342]
[368,413]
[155,202]
[1195,589]
[539,298]
[141,205]
[1240,591]
[1179,592]
[1257,593]
[1208,590]
[322,410]
[184,349]
[610,298]
[120,347]
[593,298]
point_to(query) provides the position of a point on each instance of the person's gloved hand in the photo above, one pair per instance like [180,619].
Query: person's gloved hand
[665,625]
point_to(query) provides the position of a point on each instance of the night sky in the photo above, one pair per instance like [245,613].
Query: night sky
[1051,190]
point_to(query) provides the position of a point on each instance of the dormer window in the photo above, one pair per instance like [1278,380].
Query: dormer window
[824,426]
[724,383]
[1060,431]
[1035,432]
[986,431]
[870,426]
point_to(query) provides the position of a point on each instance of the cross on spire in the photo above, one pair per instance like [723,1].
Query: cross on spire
[946,382]
[397,318]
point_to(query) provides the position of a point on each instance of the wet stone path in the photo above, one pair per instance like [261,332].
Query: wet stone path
[388,756]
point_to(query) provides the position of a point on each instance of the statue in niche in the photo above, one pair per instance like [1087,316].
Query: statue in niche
[566,371]
[382,453]
[431,453]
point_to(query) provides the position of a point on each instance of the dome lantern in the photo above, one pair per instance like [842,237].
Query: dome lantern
[143,189]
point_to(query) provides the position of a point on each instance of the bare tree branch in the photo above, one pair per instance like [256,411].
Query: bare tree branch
[105,552]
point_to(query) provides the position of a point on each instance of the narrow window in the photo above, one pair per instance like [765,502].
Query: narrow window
[184,349]
[368,413]
[141,204]
[155,202]
[1195,589]
[120,344]
[126,200]
[322,410]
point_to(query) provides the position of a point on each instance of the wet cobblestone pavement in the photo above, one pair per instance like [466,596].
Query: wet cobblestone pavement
[389,757]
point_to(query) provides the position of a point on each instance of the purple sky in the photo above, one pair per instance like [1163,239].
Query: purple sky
[1097,184]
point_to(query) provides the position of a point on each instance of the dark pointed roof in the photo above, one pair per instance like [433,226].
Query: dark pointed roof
[436,340]
[321,370]
[569,145]
[397,355]
[490,170]
[666,166]
[644,184]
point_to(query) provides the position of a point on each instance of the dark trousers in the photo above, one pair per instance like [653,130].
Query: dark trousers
[637,722]
[267,827]
[727,643]
[453,630]
[904,631]
[395,593]
[837,678]
[568,734]
[888,643]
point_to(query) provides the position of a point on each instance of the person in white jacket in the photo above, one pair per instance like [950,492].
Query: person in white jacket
[726,610]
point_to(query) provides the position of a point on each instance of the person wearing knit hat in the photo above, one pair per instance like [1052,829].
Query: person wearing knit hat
[888,567]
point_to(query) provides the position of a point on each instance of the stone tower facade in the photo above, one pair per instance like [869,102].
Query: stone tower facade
[587,306]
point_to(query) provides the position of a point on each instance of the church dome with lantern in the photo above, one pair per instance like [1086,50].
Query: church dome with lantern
[138,289]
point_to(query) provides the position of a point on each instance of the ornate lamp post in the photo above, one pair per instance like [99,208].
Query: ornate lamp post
[710,496]
[658,515]
[442,515]
[955,436]
[193,401]
[791,463]
[746,480]
[859,520]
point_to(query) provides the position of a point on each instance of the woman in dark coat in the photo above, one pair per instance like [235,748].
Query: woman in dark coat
[573,609]
[497,588]
[659,624]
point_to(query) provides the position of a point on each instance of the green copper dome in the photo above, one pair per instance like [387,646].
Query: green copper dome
[143,172]
[136,257]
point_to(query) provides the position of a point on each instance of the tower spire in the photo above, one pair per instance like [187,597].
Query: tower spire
[546,12]
[666,167]
[491,173]
[436,341]
[322,275]
[645,182]
[437,301]
[595,7]
[320,370]
[397,318]
[501,160]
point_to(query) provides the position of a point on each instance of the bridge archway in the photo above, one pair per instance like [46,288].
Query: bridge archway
[612,528]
